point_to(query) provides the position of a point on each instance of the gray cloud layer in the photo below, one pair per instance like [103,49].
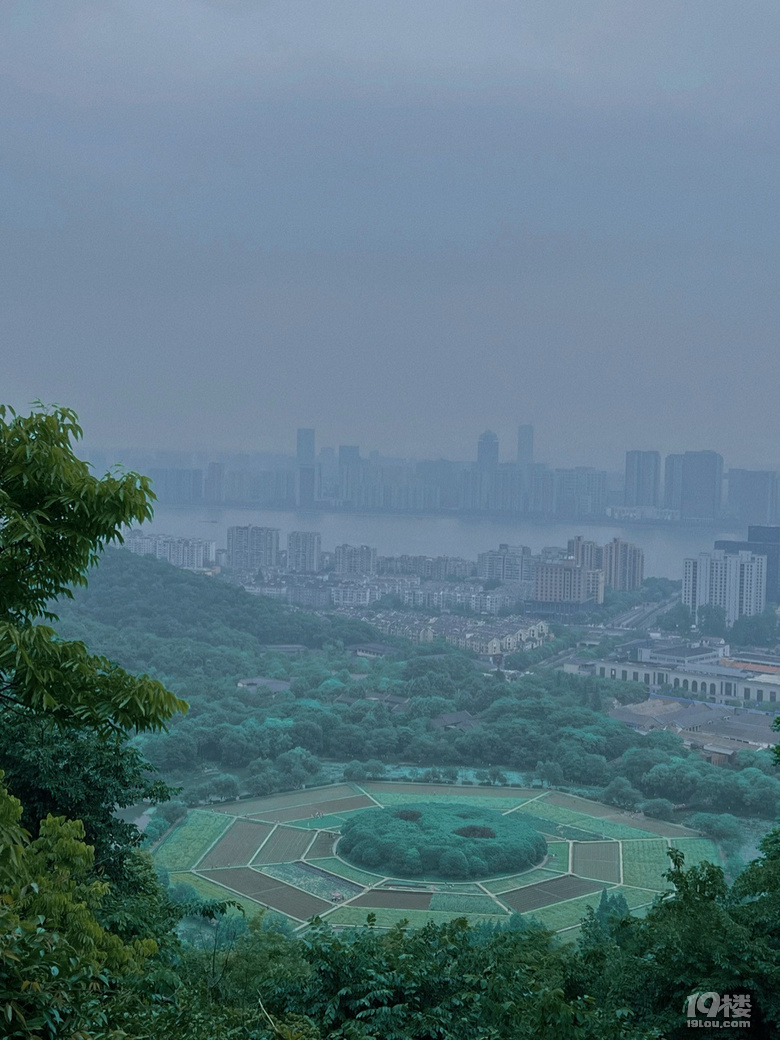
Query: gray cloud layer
[400,223]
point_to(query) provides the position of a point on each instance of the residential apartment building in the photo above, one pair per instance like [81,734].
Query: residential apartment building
[567,582]
[734,581]
[303,552]
[623,565]
[250,549]
[355,559]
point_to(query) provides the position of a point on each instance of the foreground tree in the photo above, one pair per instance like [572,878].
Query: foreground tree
[64,714]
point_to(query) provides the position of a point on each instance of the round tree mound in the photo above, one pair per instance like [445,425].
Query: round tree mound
[449,841]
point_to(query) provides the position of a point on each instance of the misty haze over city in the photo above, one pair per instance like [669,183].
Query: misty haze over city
[398,224]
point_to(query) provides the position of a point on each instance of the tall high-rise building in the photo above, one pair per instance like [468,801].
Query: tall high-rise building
[764,541]
[753,496]
[305,447]
[585,553]
[303,552]
[567,582]
[525,445]
[673,475]
[702,482]
[734,581]
[214,483]
[487,451]
[581,491]
[355,559]
[306,470]
[507,563]
[250,549]
[643,478]
[623,565]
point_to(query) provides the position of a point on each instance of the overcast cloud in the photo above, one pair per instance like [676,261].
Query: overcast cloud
[398,222]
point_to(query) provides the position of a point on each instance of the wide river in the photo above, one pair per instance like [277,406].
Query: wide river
[665,547]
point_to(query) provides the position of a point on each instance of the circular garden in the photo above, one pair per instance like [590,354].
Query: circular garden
[426,839]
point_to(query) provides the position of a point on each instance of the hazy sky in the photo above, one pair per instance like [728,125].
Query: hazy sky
[399,222]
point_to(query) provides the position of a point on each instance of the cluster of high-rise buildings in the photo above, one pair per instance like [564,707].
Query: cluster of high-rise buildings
[500,579]
[690,486]
[694,487]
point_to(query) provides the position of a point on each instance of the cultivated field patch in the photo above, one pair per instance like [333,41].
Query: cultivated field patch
[697,850]
[557,916]
[269,891]
[323,845]
[398,900]
[283,801]
[481,801]
[238,845]
[532,897]
[459,904]
[331,822]
[337,866]
[316,810]
[597,859]
[182,849]
[530,877]
[517,794]
[582,805]
[570,818]
[314,880]
[285,845]
[644,863]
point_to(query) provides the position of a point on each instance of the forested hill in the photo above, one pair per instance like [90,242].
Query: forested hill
[152,617]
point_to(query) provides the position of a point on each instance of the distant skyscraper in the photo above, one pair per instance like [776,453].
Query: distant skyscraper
[643,478]
[487,451]
[349,454]
[305,446]
[306,489]
[753,496]
[673,468]
[525,445]
[702,481]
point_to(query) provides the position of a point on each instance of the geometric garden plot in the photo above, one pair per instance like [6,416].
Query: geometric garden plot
[293,867]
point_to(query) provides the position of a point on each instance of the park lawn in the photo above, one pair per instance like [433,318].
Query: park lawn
[191,839]
[697,850]
[644,862]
